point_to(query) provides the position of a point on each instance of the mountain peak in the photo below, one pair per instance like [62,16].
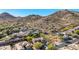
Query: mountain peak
[6,15]
[65,10]
[33,15]
[61,13]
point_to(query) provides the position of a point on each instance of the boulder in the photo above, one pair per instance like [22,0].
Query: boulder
[19,46]
[8,47]
[37,39]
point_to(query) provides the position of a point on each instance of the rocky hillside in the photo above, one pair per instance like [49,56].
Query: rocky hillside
[57,21]
[50,23]
[6,16]
[56,31]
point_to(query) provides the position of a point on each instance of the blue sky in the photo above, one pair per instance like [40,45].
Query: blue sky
[25,12]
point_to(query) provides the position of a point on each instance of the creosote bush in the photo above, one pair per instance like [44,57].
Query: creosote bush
[51,46]
[31,36]
[74,35]
[65,29]
[37,45]
[28,38]
[35,35]
[68,27]
[44,36]
[77,32]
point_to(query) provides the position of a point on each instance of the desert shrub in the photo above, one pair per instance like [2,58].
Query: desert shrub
[28,38]
[8,32]
[51,46]
[13,36]
[34,35]
[2,28]
[44,36]
[61,37]
[5,38]
[2,35]
[69,34]
[69,27]
[37,45]
[77,32]
[75,36]
[31,36]
[16,30]
[65,29]
[50,37]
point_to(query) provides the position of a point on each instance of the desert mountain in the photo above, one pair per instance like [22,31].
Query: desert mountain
[57,21]
[5,15]
[50,23]
[32,17]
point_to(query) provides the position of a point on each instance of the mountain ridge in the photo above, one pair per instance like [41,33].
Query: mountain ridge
[52,22]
